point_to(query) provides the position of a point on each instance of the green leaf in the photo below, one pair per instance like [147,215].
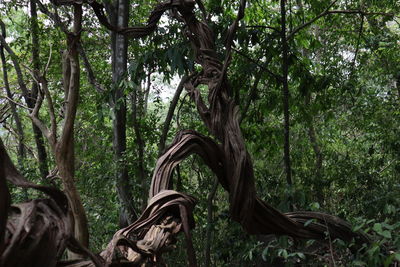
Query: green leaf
[314,206]
[264,254]
[283,253]
[359,263]
[301,255]
[377,228]
[386,234]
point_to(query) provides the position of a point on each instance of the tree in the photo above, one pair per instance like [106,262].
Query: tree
[63,145]
[226,154]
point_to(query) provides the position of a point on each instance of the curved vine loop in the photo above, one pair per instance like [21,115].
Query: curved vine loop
[170,212]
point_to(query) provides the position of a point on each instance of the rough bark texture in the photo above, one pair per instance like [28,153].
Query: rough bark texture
[41,149]
[38,231]
[119,13]
[62,145]
[170,212]
[64,151]
[210,199]
[317,151]
[137,113]
[285,101]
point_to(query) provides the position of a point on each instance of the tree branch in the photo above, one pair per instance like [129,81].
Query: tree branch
[170,113]
[276,76]
[74,83]
[34,115]
[53,122]
[328,12]
[251,96]
[17,67]
[54,16]
[90,74]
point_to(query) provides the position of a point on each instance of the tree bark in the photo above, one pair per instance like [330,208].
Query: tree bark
[170,114]
[41,149]
[285,100]
[64,148]
[210,199]
[317,151]
[21,155]
[18,124]
[138,111]
[119,13]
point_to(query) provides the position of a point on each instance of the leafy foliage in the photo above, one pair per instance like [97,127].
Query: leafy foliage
[344,81]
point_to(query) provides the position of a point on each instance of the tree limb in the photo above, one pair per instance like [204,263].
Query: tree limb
[90,74]
[276,76]
[53,122]
[73,79]
[250,97]
[328,12]
[170,114]
[17,67]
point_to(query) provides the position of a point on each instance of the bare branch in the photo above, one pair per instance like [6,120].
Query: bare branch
[34,115]
[54,16]
[276,76]
[49,100]
[328,12]
[90,74]
[170,113]
[229,39]
[31,72]
[250,97]
[74,83]
[16,103]
[48,60]
[263,27]
[14,57]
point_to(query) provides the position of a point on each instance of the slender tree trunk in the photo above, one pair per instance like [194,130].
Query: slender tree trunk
[138,111]
[317,151]
[18,124]
[210,199]
[168,119]
[398,86]
[65,157]
[119,13]
[5,200]
[285,99]
[64,148]
[41,149]
[251,96]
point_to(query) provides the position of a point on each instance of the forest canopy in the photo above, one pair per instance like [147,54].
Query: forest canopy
[201,133]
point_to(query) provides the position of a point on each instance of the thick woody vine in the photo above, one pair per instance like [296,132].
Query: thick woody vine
[169,212]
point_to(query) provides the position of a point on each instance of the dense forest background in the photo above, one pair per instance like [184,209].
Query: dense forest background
[317,84]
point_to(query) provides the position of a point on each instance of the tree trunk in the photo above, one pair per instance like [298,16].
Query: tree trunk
[65,162]
[138,111]
[119,13]
[64,148]
[210,199]
[18,124]
[41,149]
[285,100]
[168,119]
[317,151]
